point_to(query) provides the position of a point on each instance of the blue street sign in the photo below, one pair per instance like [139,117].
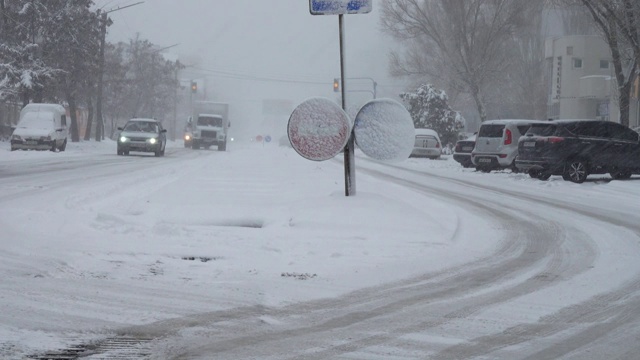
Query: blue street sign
[267,138]
[337,7]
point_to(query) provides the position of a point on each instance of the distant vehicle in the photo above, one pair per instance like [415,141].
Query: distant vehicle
[143,135]
[463,149]
[427,144]
[577,148]
[208,126]
[497,144]
[41,127]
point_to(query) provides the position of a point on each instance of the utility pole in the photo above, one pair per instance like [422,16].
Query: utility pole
[103,39]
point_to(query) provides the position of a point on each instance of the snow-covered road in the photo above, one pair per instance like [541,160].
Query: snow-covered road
[256,253]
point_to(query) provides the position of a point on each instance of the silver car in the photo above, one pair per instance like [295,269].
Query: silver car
[143,135]
[497,144]
[427,144]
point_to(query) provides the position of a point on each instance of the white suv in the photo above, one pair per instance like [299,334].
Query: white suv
[497,144]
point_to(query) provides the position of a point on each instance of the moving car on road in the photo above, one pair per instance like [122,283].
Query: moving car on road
[41,127]
[577,148]
[144,135]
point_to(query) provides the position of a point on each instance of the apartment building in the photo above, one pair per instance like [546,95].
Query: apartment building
[582,83]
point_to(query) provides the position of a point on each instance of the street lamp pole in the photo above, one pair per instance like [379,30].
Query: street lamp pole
[103,37]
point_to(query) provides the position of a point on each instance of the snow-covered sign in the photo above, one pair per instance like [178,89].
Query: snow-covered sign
[319,129]
[384,130]
[337,7]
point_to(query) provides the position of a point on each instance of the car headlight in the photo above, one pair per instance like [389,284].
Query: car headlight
[123,139]
[16,137]
[153,140]
[187,137]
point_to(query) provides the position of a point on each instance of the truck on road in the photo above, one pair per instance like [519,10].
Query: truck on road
[208,125]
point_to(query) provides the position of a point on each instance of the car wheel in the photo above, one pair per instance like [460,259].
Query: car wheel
[544,176]
[534,173]
[514,168]
[53,146]
[63,146]
[620,175]
[195,145]
[575,171]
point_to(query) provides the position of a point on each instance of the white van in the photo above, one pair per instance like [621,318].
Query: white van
[497,144]
[41,127]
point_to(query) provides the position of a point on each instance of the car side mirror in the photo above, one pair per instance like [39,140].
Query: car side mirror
[13,127]
[163,130]
[229,124]
[120,129]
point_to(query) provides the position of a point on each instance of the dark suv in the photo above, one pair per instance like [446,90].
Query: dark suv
[577,148]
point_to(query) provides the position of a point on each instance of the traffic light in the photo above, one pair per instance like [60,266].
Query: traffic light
[336,84]
[194,87]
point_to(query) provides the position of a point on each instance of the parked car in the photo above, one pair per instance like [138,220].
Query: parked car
[637,129]
[577,148]
[427,144]
[41,127]
[144,135]
[497,144]
[463,149]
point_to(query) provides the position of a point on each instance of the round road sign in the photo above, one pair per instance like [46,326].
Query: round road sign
[319,129]
[259,138]
[267,138]
[384,130]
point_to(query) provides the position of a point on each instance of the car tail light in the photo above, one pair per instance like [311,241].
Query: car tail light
[502,156]
[555,139]
[437,145]
[507,137]
[458,147]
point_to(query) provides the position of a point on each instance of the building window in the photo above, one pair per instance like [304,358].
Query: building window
[577,63]
[569,50]
[604,64]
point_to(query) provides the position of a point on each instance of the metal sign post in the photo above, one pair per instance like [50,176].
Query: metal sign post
[341,7]
[349,154]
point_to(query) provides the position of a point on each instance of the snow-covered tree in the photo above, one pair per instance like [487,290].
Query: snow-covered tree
[429,108]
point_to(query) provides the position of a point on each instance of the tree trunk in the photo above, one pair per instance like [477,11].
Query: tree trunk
[482,110]
[75,136]
[87,133]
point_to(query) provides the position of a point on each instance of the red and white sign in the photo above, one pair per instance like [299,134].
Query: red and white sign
[319,129]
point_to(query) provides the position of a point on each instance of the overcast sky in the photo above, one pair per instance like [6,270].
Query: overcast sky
[248,50]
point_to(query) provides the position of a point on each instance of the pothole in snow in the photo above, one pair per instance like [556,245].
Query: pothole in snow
[242,223]
[111,348]
[202,258]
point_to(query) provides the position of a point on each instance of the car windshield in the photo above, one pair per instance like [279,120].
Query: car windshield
[141,126]
[37,120]
[209,121]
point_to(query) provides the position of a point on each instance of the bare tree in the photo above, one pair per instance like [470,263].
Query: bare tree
[464,40]
[619,21]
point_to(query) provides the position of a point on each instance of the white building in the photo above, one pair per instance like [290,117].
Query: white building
[582,83]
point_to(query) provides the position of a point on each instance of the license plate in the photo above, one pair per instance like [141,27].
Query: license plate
[31,142]
[530,144]
[484,160]
[467,148]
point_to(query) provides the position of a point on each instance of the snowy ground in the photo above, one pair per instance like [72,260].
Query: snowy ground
[91,242]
